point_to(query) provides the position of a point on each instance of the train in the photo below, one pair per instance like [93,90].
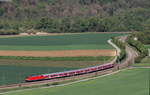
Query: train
[42,77]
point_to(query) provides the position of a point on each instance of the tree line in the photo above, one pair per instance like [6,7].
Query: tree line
[122,47]
[63,16]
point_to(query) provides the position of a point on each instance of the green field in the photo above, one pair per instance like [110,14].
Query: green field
[58,42]
[15,71]
[128,82]
[148,46]
[145,63]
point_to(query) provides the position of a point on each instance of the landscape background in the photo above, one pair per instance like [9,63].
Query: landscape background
[75,15]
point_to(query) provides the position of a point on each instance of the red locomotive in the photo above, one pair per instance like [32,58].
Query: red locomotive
[69,73]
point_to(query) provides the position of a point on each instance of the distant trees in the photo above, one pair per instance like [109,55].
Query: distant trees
[134,20]
[57,8]
[71,25]
[76,15]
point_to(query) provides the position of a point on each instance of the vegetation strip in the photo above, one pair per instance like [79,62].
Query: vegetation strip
[140,47]
[122,46]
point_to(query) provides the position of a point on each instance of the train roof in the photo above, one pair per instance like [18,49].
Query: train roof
[75,70]
[80,69]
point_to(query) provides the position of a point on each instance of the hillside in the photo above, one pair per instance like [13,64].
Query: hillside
[75,15]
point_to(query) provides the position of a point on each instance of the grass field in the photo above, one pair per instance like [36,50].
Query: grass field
[148,46]
[145,63]
[128,82]
[58,42]
[15,71]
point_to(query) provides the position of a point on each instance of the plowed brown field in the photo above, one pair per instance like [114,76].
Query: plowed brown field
[63,53]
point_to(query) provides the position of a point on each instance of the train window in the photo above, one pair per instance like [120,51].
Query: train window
[53,75]
[32,75]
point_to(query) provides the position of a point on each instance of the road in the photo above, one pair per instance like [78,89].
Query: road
[131,53]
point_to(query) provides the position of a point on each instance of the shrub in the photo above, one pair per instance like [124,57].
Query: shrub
[140,47]
[121,45]
[9,32]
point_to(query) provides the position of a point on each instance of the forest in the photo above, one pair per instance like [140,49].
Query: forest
[60,16]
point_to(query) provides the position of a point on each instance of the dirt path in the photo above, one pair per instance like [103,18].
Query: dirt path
[63,53]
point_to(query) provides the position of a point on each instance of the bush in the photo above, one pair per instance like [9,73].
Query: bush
[140,47]
[121,45]
[143,36]
[9,32]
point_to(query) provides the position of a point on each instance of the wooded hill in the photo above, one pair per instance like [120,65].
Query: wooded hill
[75,15]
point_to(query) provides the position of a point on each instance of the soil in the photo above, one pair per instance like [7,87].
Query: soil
[63,53]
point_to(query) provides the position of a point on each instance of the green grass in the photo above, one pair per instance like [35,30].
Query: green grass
[145,63]
[14,70]
[58,42]
[148,46]
[128,82]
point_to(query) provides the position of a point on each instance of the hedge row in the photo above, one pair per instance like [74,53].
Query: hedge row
[140,47]
[121,45]
[9,32]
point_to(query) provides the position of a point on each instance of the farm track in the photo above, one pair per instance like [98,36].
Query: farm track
[131,54]
[60,53]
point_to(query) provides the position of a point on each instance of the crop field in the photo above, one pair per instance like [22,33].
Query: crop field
[127,82]
[58,42]
[15,71]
